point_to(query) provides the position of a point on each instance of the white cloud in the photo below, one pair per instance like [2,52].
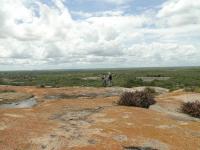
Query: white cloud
[35,34]
[180,12]
[82,14]
[116,2]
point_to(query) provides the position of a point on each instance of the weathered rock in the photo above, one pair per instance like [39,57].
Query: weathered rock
[97,123]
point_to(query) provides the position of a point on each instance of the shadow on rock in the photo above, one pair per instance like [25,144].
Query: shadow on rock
[139,148]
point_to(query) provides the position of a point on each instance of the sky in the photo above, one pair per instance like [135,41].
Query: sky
[77,34]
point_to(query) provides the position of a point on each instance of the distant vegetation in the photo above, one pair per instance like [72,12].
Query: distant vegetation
[138,99]
[192,89]
[175,78]
[191,108]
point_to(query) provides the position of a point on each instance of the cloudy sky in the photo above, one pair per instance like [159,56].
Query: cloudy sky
[69,34]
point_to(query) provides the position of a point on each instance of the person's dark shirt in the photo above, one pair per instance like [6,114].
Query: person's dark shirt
[110,77]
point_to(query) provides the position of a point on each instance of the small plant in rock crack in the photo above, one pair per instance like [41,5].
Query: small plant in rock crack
[138,99]
[191,108]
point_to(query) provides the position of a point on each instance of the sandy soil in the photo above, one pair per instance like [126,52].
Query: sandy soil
[92,120]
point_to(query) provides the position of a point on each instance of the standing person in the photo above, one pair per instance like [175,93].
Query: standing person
[109,79]
[104,80]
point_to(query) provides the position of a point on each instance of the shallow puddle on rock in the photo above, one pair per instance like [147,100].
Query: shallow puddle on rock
[28,103]
[80,96]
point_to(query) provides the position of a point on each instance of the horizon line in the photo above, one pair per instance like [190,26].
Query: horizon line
[112,68]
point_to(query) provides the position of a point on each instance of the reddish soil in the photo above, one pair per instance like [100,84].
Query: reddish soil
[92,122]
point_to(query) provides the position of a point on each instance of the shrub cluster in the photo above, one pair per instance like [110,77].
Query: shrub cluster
[150,90]
[41,86]
[192,89]
[133,83]
[138,99]
[191,108]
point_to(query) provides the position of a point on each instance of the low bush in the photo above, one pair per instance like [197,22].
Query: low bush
[133,83]
[150,90]
[191,108]
[192,89]
[138,99]
[41,86]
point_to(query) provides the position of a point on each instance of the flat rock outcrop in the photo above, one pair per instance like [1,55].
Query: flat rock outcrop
[80,118]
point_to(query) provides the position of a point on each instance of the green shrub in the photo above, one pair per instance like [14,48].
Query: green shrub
[191,108]
[138,99]
[192,89]
[133,82]
[150,90]
[41,86]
